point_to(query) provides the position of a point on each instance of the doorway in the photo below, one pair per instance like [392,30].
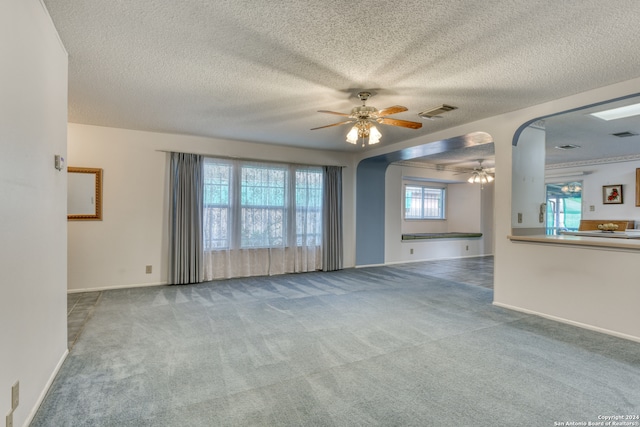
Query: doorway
[564,207]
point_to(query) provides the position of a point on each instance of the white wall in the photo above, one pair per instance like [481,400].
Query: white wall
[487,202]
[33,226]
[464,207]
[604,174]
[565,283]
[463,211]
[528,181]
[133,233]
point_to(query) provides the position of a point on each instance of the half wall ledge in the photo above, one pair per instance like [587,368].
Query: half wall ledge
[590,242]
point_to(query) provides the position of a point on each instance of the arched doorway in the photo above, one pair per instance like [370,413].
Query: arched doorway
[370,191]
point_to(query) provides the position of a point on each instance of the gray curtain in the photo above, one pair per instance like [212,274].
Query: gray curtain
[185,219]
[332,219]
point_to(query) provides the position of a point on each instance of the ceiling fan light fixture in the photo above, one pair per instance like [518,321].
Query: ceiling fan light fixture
[364,117]
[352,136]
[480,176]
[374,135]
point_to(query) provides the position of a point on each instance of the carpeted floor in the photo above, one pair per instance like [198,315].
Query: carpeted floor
[407,345]
[80,307]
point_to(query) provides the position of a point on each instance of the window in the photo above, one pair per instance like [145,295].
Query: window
[261,205]
[217,204]
[309,207]
[424,202]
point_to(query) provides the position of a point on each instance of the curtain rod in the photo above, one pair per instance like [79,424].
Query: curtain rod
[246,159]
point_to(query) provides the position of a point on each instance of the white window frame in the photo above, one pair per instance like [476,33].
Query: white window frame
[293,230]
[422,216]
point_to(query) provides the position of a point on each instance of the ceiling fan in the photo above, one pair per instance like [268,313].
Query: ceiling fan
[365,118]
[480,175]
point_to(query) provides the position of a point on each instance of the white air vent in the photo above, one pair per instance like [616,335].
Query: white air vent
[436,111]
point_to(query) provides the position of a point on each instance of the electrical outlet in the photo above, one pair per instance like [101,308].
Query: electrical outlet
[15,395]
[467,247]
[592,208]
[10,419]
[519,218]
[411,251]
[149,269]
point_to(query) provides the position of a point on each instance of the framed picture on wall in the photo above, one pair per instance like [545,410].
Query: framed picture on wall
[612,194]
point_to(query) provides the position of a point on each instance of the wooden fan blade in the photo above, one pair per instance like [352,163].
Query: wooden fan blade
[334,124]
[392,110]
[402,123]
[333,112]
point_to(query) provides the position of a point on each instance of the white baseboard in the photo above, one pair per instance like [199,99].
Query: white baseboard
[107,288]
[370,265]
[435,259]
[46,389]
[570,322]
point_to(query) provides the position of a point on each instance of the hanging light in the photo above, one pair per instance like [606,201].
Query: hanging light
[374,135]
[363,130]
[352,136]
[480,176]
[571,188]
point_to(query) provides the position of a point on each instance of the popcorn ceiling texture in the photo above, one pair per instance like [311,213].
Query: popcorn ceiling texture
[260,70]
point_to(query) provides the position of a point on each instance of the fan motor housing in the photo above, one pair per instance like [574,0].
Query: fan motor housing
[363,111]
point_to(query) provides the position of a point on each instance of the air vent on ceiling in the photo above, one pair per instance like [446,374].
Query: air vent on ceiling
[624,134]
[436,111]
[567,147]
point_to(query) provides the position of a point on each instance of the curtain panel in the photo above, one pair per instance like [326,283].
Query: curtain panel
[185,219]
[332,240]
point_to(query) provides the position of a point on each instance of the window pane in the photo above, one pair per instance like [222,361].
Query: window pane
[413,202]
[263,214]
[309,207]
[432,203]
[217,182]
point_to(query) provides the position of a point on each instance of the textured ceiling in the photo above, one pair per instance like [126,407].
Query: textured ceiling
[259,70]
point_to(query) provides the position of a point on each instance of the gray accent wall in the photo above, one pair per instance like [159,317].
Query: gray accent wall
[370,206]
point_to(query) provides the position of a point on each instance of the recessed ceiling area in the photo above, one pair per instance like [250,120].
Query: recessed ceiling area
[463,159]
[572,137]
[595,137]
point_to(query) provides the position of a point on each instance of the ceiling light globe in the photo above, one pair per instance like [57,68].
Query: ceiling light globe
[352,136]
[374,135]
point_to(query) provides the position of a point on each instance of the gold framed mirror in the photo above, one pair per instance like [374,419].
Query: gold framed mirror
[84,194]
